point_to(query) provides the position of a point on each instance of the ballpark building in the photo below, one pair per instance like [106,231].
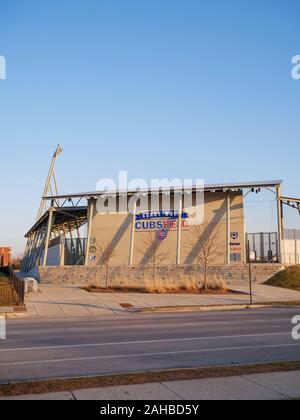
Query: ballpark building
[73,232]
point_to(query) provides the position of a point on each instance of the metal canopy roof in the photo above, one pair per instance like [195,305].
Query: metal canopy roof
[208,187]
[66,218]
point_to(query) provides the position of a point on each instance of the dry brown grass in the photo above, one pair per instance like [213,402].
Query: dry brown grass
[59,385]
[288,278]
[160,286]
[3,276]
[7,294]
[165,286]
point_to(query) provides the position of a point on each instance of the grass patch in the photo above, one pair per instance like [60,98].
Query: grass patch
[221,307]
[7,294]
[162,289]
[288,278]
[59,385]
[181,290]
[3,276]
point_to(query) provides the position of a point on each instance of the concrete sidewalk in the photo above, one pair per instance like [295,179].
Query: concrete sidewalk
[271,386]
[61,301]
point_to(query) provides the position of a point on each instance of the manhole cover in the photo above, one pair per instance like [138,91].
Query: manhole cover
[126,305]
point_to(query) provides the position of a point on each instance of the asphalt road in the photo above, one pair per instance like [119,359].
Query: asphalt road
[68,348]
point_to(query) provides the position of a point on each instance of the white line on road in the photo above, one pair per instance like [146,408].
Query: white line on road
[171,340]
[125,356]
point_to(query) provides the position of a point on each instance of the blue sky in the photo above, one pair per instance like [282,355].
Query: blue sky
[190,89]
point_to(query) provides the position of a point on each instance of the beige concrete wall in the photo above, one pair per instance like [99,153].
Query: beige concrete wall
[140,277]
[113,231]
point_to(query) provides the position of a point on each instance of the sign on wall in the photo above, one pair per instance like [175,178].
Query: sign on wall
[235,247]
[161,221]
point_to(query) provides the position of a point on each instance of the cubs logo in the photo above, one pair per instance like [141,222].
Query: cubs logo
[162,234]
[234,235]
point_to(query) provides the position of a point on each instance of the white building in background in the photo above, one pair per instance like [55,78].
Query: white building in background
[291,246]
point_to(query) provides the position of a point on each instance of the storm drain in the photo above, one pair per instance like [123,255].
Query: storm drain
[126,305]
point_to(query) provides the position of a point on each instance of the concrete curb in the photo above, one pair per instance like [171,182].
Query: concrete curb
[217,308]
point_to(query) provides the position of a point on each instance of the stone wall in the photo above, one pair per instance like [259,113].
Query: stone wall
[139,277]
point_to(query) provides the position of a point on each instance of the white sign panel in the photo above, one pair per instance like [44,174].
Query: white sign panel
[2,328]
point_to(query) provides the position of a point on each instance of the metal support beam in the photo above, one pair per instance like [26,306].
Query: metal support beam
[228,227]
[48,187]
[26,256]
[62,247]
[49,230]
[280,225]
[90,221]
[34,243]
[132,234]
[179,231]
[79,239]
[72,239]
[33,246]
[40,248]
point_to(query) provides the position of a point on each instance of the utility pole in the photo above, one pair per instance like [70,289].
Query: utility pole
[250,274]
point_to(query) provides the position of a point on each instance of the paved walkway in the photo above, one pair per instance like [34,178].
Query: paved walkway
[271,386]
[59,301]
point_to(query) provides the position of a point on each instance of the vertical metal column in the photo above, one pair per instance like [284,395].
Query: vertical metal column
[132,234]
[39,252]
[32,254]
[228,226]
[49,230]
[179,230]
[26,256]
[262,247]
[90,220]
[295,239]
[280,225]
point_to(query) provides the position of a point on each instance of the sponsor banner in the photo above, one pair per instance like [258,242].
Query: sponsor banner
[235,247]
[170,214]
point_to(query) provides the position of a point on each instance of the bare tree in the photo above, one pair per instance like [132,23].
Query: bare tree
[151,249]
[204,247]
[16,262]
[108,252]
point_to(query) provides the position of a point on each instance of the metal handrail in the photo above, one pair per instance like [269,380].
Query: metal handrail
[275,257]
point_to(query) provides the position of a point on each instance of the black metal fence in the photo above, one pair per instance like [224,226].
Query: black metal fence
[263,246]
[75,251]
[12,292]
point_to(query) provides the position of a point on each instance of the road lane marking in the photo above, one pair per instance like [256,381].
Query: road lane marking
[126,356]
[171,340]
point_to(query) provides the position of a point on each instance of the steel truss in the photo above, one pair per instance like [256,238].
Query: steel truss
[56,224]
